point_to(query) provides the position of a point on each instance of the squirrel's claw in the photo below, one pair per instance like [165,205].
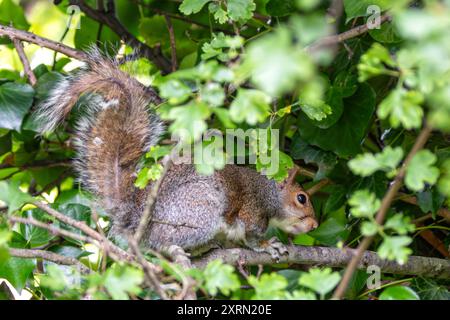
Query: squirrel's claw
[274,247]
[179,256]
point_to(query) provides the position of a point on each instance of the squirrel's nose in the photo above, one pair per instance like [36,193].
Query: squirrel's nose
[313,224]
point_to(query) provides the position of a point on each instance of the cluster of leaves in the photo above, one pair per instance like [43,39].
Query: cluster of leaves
[351,114]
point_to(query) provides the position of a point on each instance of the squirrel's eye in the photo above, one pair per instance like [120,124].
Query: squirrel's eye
[301,198]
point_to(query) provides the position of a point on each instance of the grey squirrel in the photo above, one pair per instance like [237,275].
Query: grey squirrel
[232,206]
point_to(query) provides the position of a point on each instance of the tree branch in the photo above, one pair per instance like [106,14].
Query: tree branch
[384,207]
[331,257]
[23,58]
[338,38]
[49,256]
[43,42]
[153,54]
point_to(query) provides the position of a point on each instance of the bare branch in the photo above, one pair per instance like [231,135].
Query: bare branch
[43,42]
[49,256]
[23,58]
[154,54]
[332,257]
[173,46]
[338,38]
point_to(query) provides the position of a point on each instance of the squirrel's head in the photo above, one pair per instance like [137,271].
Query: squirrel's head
[297,214]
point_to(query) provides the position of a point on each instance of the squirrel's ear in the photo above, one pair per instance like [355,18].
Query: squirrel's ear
[292,173]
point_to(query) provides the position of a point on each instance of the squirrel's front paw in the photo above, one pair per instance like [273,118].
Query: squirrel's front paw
[179,256]
[273,247]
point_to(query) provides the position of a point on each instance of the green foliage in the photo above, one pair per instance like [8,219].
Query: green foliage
[348,113]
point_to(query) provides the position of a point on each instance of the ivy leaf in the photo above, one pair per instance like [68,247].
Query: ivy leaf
[402,107]
[421,170]
[399,293]
[220,277]
[345,136]
[12,13]
[395,248]
[321,281]
[17,271]
[366,164]
[268,286]
[358,8]
[192,6]
[364,204]
[325,160]
[12,196]
[15,101]
[121,280]
[251,106]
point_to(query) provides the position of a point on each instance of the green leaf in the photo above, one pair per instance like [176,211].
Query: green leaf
[12,196]
[212,94]
[192,6]
[421,170]
[398,293]
[17,271]
[274,64]
[269,286]
[251,106]
[395,248]
[280,8]
[121,280]
[364,204]
[369,228]
[386,34]
[345,136]
[358,8]
[240,10]
[366,164]
[332,230]
[321,281]
[402,107]
[325,160]
[175,91]
[373,63]
[15,101]
[220,277]
[13,14]
[189,121]
[430,290]
[400,224]
[35,236]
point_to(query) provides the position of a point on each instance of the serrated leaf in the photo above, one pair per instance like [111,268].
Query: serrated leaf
[251,106]
[192,6]
[220,277]
[421,170]
[403,108]
[395,248]
[321,281]
[364,204]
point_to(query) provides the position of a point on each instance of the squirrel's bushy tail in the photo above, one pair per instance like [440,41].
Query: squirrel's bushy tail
[115,128]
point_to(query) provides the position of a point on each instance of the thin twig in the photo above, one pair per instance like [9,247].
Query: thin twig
[49,256]
[384,207]
[338,38]
[154,54]
[150,277]
[151,198]
[23,58]
[173,46]
[43,42]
